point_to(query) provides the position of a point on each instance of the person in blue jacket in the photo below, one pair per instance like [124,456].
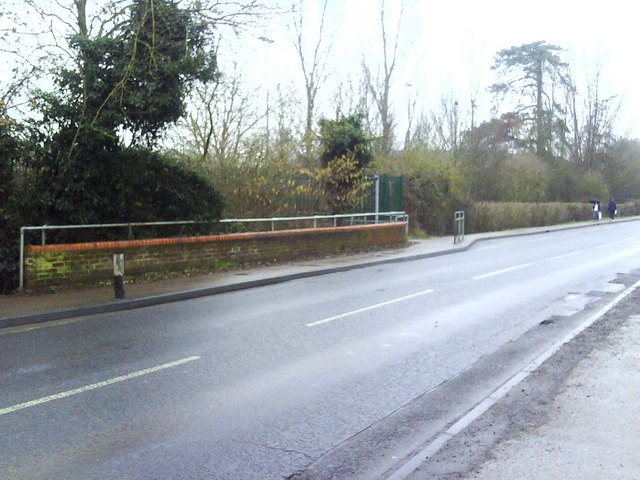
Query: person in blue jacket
[612,209]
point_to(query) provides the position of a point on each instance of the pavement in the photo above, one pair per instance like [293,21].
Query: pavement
[591,428]
[580,439]
[35,307]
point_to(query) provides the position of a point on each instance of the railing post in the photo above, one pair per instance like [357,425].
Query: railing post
[377,178]
[21,284]
[44,235]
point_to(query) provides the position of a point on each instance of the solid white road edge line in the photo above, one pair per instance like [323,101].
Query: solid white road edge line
[370,307]
[94,386]
[441,440]
[498,272]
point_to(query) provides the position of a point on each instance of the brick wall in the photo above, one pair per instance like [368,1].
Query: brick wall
[87,263]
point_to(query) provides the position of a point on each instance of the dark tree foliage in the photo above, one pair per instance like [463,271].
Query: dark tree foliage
[164,49]
[134,185]
[10,218]
[74,169]
[345,137]
[135,79]
[345,152]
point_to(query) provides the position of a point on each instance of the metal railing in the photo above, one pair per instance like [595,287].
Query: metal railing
[458,226]
[373,218]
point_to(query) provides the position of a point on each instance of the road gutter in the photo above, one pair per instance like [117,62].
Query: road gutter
[412,464]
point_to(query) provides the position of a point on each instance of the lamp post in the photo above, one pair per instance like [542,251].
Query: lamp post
[410,112]
[268,41]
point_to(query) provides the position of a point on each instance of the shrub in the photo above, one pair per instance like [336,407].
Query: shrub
[494,216]
[135,185]
[433,188]
[522,178]
[592,184]
[265,189]
[630,208]
[343,181]
[110,187]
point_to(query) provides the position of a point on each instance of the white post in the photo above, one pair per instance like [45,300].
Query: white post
[118,274]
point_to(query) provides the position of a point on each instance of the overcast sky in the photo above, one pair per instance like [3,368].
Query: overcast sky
[446,48]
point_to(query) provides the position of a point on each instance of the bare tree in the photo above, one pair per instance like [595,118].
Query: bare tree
[285,145]
[30,43]
[411,112]
[600,114]
[313,69]
[350,98]
[423,133]
[234,14]
[380,85]
[35,39]
[229,14]
[591,124]
[221,117]
[447,125]
[574,119]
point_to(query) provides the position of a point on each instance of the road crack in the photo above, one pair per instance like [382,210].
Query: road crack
[278,449]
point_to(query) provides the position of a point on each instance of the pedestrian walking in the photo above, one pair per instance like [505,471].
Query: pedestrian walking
[612,209]
[596,210]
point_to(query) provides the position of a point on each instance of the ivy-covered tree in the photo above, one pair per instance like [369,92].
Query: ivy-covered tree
[9,213]
[345,152]
[345,137]
[135,77]
[86,156]
[127,82]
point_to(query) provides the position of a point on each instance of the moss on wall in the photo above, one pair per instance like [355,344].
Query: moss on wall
[90,263]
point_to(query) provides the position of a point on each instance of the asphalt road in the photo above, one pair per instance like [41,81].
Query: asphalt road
[268,382]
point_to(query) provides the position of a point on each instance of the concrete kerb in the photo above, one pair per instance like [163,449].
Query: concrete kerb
[132,304]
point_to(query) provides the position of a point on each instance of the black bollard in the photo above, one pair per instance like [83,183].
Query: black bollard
[118,274]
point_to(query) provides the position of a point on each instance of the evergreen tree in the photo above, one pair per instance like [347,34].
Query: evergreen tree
[532,71]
